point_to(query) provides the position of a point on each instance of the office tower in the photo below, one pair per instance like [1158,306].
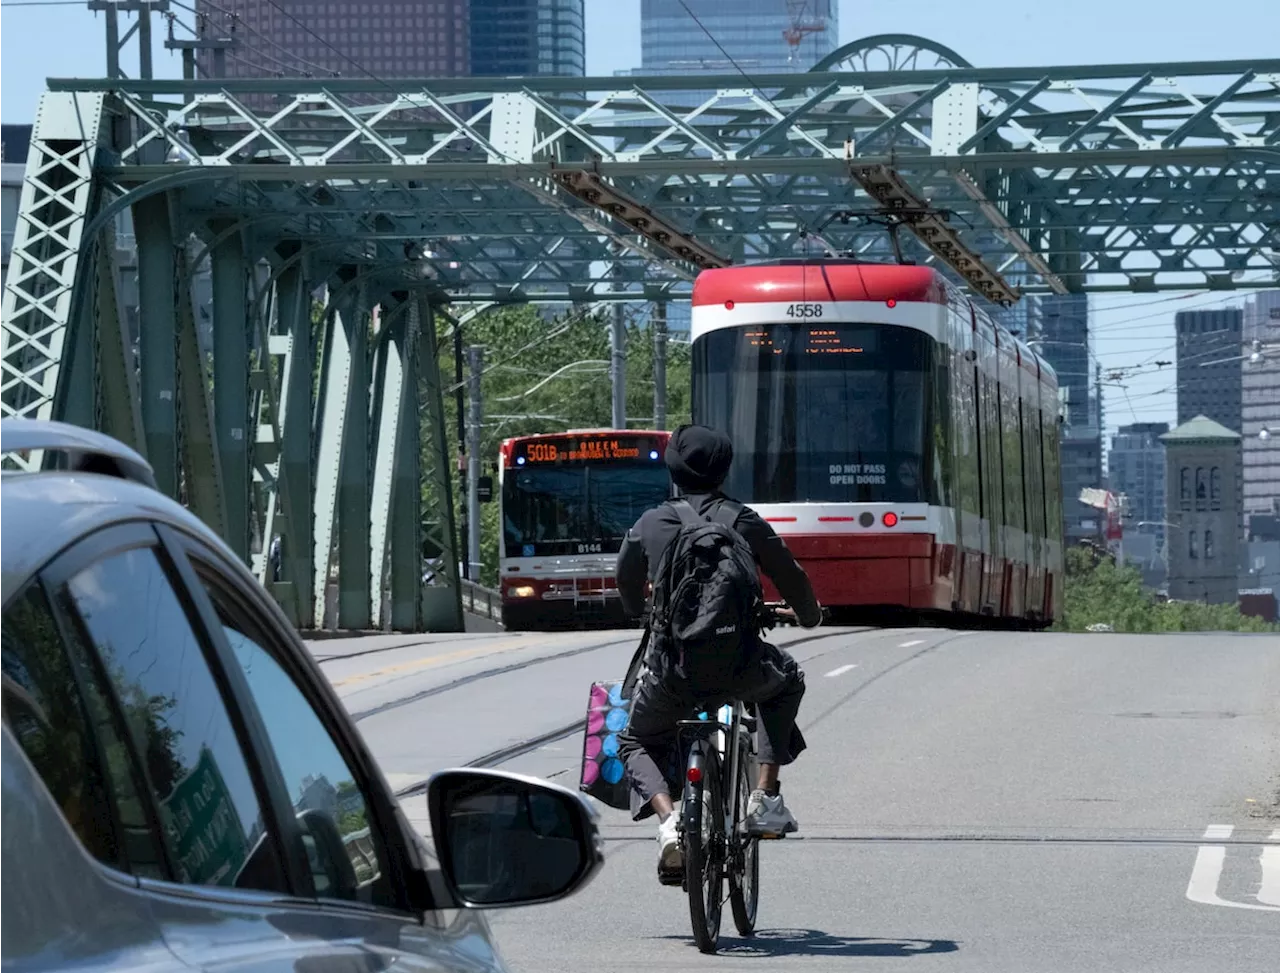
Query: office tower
[1209,365]
[527,37]
[1060,327]
[1260,406]
[350,38]
[753,33]
[1136,469]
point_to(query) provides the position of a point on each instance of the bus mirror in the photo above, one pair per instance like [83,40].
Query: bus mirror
[484,487]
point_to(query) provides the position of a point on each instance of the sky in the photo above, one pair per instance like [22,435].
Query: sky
[1129,329]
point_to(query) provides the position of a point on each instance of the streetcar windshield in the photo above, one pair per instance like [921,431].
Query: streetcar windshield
[824,413]
[577,508]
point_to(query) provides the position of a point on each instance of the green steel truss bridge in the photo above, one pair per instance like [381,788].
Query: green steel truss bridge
[409,206]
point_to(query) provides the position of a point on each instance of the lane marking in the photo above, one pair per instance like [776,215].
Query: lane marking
[907,645]
[426,662]
[1269,890]
[1207,872]
[840,670]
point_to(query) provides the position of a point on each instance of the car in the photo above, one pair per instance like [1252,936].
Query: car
[182,788]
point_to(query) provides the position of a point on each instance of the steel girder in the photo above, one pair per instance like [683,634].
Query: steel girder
[1181,158]
[1123,177]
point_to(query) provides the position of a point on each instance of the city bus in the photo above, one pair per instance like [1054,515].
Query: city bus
[566,500]
[903,444]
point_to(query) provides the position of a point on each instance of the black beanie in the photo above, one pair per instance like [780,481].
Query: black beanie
[699,458]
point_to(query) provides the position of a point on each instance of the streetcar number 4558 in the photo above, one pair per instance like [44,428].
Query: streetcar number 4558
[804,310]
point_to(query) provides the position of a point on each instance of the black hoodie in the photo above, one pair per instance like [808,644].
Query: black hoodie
[699,459]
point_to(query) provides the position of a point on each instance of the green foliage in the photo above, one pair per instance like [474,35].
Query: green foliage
[522,348]
[1100,592]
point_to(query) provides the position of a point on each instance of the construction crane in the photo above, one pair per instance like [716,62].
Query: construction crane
[799,27]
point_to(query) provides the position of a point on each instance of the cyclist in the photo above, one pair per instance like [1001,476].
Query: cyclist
[699,459]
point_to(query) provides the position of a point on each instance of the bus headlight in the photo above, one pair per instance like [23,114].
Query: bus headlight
[520,591]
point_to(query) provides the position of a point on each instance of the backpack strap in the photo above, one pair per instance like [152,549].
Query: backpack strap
[684,509]
[728,513]
[637,662]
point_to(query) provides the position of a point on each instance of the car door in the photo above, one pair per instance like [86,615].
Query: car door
[234,874]
[354,834]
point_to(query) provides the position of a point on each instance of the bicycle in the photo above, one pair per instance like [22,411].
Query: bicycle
[714,837]
[722,757]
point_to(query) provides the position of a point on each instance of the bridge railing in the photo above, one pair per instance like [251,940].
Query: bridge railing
[482,601]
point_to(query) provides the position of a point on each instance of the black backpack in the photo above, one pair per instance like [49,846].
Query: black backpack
[707,598]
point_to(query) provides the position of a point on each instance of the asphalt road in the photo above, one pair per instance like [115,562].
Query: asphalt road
[969,801]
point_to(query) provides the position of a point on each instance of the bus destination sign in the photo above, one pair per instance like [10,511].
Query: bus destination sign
[585,449]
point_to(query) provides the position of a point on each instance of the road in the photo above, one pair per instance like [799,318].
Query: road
[971,801]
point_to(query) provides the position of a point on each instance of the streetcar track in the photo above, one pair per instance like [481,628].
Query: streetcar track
[483,674]
[496,758]
[322,659]
[862,686]
[515,666]
[503,754]
[995,840]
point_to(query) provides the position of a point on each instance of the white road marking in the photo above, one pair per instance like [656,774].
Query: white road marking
[1269,891]
[1275,835]
[1207,872]
[907,645]
[840,671]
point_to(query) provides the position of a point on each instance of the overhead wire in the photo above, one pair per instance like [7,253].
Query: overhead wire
[239,22]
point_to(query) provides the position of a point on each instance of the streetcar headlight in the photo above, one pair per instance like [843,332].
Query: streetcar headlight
[521,591]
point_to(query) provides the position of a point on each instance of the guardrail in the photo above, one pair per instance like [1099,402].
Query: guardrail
[482,601]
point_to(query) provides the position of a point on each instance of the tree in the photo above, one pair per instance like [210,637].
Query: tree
[523,349]
[1098,591]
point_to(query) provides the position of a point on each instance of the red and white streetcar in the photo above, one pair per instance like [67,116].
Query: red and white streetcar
[904,445]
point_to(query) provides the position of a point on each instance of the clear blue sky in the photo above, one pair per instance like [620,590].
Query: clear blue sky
[39,42]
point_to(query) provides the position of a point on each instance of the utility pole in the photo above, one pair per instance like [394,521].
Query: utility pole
[460,408]
[475,361]
[618,365]
[660,365]
[115,43]
[217,44]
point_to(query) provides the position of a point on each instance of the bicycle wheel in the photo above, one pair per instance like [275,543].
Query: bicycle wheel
[744,856]
[704,843]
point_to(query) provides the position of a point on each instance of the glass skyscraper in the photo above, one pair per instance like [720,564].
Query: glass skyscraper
[1060,327]
[520,38]
[752,32]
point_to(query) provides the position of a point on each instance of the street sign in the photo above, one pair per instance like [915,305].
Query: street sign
[210,841]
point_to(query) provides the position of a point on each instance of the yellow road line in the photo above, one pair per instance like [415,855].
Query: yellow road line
[434,660]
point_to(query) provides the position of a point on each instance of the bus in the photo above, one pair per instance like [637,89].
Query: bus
[566,500]
[903,444]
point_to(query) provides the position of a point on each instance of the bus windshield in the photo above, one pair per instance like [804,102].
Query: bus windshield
[577,508]
[824,413]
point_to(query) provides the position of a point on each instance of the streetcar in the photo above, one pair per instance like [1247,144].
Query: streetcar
[905,446]
[566,501]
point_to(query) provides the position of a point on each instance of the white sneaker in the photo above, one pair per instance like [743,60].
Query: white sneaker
[768,815]
[670,855]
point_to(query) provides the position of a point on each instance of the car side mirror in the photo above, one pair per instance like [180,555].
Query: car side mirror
[504,839]
[327,855]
